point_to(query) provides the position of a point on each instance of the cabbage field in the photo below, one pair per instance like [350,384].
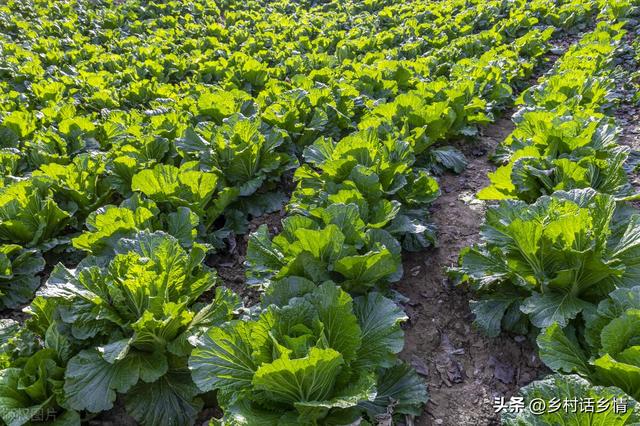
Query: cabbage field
[319,212]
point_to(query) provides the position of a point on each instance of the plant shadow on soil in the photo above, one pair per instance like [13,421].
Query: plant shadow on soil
[463,368]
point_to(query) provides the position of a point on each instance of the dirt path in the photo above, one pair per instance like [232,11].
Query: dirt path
[628,118]
[464,369]
[628,114]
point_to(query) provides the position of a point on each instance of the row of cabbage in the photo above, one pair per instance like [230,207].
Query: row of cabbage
[241,138]
[558,258]
[333,240]
[121,334]
[146,161]
[209,168]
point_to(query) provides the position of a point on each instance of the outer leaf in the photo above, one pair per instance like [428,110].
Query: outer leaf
[382,337]
[625,376]
[561,353]
[91,382]
[223,359]
[169,401]
[547,309]
[400,390]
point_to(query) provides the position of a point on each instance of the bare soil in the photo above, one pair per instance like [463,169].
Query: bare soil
[464,369]
[229,264]
[627,114]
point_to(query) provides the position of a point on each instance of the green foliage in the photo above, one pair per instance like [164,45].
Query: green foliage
[375,175]
[30,216]
[306,361]
[606,350]
[32,378]
[129,317]
[79,186]
[146,135]
[563,257]
[549,152]
[333,244]
[549,261]
[562,141]
[107,225]
[18,274]
[243,151]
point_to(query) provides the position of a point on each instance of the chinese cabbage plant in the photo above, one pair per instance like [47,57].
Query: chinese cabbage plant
[30,216]
[108,224]
[32,375]
[378,175]
[245,152]
[129,315]
[606,349]
[320,357]
[331,244]
[18,274]
[551,151]
[549,261]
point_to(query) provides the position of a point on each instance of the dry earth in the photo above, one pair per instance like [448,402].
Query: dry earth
[464,369]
